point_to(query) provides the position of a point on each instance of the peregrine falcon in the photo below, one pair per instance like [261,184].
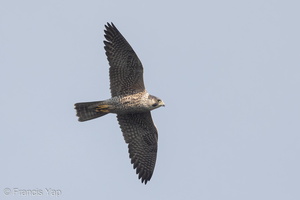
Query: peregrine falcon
[130,101]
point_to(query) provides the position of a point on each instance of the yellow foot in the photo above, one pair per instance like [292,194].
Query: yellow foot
[102,108]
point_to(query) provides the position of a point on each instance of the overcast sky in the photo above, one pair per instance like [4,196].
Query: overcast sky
[228,72]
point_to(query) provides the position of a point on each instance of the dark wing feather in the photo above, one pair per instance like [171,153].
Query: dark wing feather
[141,135]
[126,70]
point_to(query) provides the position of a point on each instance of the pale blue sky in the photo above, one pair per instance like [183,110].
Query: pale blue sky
[228,72]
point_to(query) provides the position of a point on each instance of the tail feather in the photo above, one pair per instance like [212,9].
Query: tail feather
[88,110]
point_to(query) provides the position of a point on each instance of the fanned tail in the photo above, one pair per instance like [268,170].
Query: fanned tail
[91,110]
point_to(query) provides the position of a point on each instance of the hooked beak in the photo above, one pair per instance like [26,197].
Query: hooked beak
[162,103]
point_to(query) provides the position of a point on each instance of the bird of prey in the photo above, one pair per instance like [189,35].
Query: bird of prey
[130,101]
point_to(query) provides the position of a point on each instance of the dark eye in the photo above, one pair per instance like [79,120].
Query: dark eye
[154,105]
[158,100]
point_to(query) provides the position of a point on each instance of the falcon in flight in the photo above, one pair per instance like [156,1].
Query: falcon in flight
[130,101]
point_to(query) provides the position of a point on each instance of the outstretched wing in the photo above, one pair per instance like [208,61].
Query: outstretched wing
[126,70]
[141,135]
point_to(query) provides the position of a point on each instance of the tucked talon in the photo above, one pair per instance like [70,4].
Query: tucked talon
[102,108]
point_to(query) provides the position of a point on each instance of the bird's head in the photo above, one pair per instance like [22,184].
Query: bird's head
[155,102]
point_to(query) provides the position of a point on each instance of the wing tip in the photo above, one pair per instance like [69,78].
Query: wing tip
[110,31]
[109,25]
[145,179]
[143,174]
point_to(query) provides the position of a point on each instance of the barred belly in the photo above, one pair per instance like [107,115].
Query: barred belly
[135,103]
